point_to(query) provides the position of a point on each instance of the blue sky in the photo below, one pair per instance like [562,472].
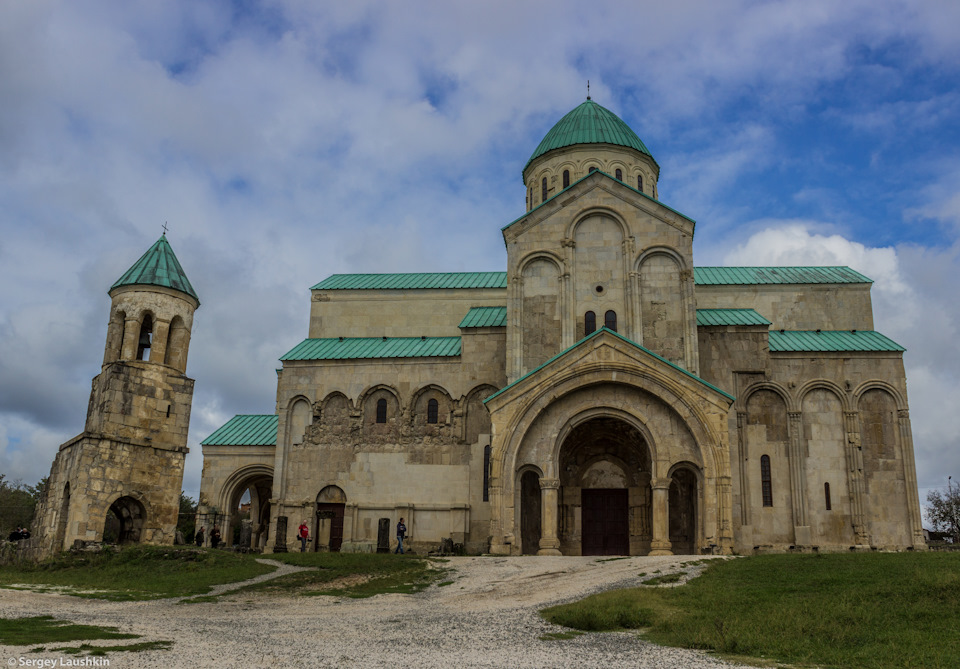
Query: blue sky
[284,141]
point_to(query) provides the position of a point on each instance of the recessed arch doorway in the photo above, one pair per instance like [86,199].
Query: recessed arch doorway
[328,532]
[247,497]
[124,521]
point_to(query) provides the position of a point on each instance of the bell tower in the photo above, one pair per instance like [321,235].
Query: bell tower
[120,479]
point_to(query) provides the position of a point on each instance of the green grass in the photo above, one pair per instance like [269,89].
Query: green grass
[47,629]
[560,636]
[842,610]
[137,572]
[352,574]
[666,578]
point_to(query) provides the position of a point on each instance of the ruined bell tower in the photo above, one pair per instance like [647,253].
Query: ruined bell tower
[124,472]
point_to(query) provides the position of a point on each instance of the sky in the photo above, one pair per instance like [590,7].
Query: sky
[284,141]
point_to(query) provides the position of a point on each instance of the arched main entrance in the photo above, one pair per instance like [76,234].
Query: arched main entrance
[605,495]
[328,532]
[124,521]
[247,497]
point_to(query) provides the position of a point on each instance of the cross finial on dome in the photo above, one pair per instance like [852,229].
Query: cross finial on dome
[588,89]
[164,228]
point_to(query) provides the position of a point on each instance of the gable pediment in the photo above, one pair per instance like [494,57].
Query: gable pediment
[605,349]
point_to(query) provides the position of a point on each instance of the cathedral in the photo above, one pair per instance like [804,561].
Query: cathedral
[602,396]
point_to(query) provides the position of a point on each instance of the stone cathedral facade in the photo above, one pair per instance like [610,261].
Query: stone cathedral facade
[602,396]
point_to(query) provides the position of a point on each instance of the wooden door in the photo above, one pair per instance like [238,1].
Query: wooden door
[333,513]
[605,527]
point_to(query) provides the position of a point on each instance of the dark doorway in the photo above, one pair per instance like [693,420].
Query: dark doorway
[124,522]
[530,513]
[605,527]
[683,512]
[334,514]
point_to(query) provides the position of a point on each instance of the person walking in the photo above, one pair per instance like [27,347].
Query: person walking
[303,533]
[199,538]
[215,537]
[401,533]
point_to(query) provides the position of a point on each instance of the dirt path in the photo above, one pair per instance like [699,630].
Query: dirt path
[487,617]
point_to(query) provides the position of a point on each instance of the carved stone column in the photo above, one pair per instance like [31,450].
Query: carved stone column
[131,336]
[661,517]
[855,479]
[742,468]
[798,479]
[910,478]
[280,546]
[549,515]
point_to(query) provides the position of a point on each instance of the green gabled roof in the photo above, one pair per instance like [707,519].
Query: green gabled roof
[589,123]
[248,430]
[737,276]
[355,348]
[158,267]
[485,317]
[831,340]
[730,317]
[413,281]
[629,341]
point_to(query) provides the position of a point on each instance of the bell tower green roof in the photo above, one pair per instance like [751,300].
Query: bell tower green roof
[158,267]
[589,123]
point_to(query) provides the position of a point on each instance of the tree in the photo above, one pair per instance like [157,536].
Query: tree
[17,504]
[943,511]
[187,521]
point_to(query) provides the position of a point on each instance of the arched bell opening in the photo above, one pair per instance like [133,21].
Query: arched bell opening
[605,494]
[124,522]
[683,498]
[328,526]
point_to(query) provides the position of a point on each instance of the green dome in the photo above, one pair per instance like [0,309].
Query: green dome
[158,267]
[589,123]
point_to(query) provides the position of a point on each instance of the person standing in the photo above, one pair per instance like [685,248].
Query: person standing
[401,533]
[303,533]
[215,537]
[199,537]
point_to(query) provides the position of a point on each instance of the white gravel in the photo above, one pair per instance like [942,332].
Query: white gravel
[486,618]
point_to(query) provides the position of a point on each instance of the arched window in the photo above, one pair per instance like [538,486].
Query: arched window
[566,178]
[486,473]
[591,170]
[610,320]
[589,323]
[146,338]
[640,182]
[619,175]
[826,495]
[381,410]
[543,190]
[765,482]
[433,410]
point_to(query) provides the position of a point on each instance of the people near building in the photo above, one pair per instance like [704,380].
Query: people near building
[199,537]
[302,534]
[215,537]
[401,533]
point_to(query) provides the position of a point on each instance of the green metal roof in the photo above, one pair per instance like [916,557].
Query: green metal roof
[730,317]
[485,317]
[249,430]
[413,281]
[355,348]
[735,276]
[589,123]
[831,340]
[629,341]
[158,267]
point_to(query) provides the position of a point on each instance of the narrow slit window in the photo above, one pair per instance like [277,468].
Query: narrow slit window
[543,190]
[566,178]
[381,410]
[640,182]
[433,411]
[589,323]
[826,496]
[766,483]
[486,473]
[610,320]
[619,175]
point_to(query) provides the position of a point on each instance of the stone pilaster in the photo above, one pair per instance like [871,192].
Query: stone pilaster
[661,517]
[549,515]
[798,479]
[910,478]
[855,480]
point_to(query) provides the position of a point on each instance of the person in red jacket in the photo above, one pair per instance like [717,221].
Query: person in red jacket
[303,533]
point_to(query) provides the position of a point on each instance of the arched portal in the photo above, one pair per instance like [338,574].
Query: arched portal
[683,512]
[605,498]
[247,497]
[328,532]
[124,521]
[530,513]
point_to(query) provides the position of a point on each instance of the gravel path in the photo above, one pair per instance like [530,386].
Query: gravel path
[486,618]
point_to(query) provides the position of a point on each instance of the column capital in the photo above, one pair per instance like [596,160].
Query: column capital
[549,484]
[661,484]
[795,415]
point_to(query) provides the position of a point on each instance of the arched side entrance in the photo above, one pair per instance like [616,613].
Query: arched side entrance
[124,521]
[530,512]
[328,529]
[605,499]
[684,503]
[246,497]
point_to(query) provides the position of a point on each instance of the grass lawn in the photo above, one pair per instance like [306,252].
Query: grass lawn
[352,574]
[137,572]
[843,610]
